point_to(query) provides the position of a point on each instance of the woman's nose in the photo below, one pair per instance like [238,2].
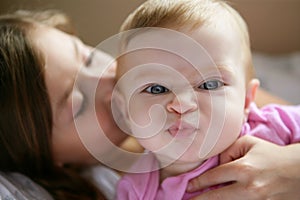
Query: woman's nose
[94,86]
[183,103]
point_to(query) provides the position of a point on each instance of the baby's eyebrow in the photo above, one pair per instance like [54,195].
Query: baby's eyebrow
[222,69]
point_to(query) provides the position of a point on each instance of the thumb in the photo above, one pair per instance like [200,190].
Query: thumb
[238,149]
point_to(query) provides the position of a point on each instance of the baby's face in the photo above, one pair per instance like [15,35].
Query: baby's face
[184,94]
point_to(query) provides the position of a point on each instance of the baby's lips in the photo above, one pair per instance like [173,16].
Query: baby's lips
[181,127]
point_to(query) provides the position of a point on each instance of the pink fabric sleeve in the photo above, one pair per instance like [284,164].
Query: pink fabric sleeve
[275,123]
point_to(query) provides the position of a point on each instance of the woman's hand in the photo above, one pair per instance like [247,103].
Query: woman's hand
[259,170]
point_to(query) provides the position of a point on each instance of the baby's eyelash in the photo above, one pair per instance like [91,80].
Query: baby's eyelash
[211,84]
[157,89]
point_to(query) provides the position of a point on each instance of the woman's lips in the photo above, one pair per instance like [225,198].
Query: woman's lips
[181,129]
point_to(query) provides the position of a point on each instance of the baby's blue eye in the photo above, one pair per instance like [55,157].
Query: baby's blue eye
[211,85]
[156,89]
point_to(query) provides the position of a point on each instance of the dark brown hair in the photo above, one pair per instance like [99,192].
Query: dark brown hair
[25,111]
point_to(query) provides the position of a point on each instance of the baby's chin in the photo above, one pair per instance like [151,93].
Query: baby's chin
[180,166]
[184,159]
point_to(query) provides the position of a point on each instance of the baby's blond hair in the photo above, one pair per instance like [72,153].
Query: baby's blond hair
[175,14]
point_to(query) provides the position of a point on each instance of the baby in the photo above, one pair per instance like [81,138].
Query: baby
[186,87]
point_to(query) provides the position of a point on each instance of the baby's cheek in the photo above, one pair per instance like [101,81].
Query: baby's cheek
[145,113]
[139,115]
[147,121]
[231,131]
[229,134]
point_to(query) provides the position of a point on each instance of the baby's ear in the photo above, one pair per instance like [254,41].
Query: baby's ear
[119,110]
[251,92]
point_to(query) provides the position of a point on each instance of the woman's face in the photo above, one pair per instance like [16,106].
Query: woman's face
[80,100]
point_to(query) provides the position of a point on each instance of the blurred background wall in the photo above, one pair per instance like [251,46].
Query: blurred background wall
[95,20]
[274,25]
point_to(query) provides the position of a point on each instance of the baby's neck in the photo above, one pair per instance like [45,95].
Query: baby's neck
[177,168]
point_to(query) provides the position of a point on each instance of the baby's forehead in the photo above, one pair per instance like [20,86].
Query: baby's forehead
[156,63]
[169,42]
[206,42]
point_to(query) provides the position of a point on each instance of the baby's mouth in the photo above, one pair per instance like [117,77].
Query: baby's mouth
[181,129]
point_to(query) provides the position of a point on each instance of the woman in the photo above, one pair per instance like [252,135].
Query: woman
[38,137]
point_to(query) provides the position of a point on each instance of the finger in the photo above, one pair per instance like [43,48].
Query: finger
[238,149]
[222,174]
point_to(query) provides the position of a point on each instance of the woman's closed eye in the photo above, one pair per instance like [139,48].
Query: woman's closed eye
[79,103]
[211,85]
[89,59]
[156,89]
